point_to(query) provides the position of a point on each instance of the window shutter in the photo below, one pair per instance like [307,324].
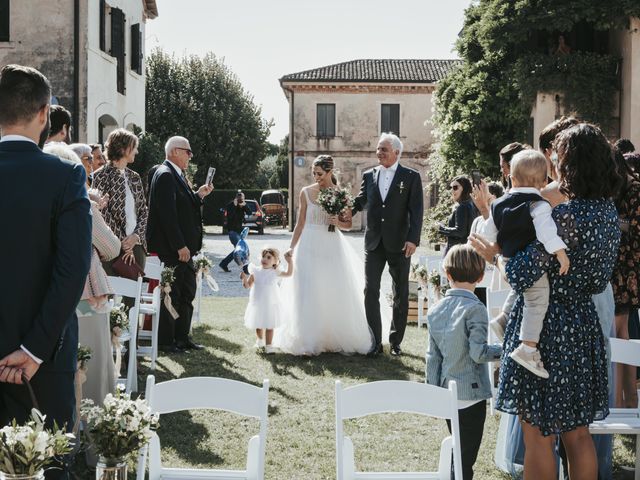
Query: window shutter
[326,120]
[136,49]
[118,45]
[103,26]
[5,21]
[390,118]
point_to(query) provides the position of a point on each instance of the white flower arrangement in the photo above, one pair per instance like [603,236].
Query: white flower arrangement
[119,427]
[28,449]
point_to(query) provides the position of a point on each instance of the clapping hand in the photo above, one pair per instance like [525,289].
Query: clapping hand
[480,197]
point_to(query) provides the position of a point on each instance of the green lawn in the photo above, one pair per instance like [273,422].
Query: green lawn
[301,433]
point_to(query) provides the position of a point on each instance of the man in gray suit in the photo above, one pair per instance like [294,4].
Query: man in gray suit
[392,196]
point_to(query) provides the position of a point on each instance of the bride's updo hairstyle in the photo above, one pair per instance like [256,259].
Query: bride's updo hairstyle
[325,162]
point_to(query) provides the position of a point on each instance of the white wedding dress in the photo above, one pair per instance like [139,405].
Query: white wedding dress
[323,302]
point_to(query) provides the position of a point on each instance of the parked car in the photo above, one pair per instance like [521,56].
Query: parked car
[275,208]
[255,221]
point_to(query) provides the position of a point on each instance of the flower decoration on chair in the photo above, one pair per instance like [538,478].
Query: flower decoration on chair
[335,201]
[84,355]
[167,277]
[118,320]
[203,270]
[119,427]
[420,274]
[30,448]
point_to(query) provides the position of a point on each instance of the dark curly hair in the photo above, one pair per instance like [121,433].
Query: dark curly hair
[465,183]
[586,166]
[551,131]
[633,160]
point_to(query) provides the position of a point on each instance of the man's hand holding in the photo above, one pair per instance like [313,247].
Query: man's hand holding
[15,364]
[184,254]
[205,190]
[409,249]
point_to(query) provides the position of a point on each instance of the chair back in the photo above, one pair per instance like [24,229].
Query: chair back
[393,396]
[495,301]
[625,351]
[153,270]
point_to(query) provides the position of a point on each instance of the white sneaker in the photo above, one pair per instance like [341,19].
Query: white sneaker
[530,360]
[268,349]
[497,326]
[259,344]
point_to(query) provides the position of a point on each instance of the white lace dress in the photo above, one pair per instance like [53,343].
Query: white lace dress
[323,302]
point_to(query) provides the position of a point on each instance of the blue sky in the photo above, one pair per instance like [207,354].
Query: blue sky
[262,40]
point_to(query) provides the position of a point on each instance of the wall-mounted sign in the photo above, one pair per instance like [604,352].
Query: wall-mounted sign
[299,161]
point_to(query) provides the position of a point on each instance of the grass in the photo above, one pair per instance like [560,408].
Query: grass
[301,432]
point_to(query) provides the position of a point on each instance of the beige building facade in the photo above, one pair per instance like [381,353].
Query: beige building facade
[342,109]
[92,51]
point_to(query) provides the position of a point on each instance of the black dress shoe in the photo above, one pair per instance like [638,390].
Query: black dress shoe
[226,269]
[173,348]
[395,350]
[375,350]
[189,345]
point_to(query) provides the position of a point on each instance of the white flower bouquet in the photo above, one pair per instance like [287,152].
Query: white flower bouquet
[119,320]
[119,427]
[335,201]
[420,274]
[30,448]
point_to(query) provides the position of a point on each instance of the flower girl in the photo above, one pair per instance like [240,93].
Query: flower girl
[263,310]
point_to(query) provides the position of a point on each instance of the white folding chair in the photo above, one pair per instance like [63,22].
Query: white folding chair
[392,396]
[124,287]
[495,301]
[211,394]
[624,421]
[434,262]
[422,294]
[151,306]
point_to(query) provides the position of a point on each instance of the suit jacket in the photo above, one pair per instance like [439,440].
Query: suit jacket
[175,219]
[397,219]
[45,253]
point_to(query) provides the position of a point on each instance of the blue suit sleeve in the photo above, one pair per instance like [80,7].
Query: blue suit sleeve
[71,263]
[434,363]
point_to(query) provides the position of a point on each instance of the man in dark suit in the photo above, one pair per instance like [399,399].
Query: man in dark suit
[45,253]
[174,232]
[392,195]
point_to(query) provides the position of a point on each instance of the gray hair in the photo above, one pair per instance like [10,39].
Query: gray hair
[395,142]
[62,151]
[174,142]
[81,149]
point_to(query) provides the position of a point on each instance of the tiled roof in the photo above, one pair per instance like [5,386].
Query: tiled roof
[373,70]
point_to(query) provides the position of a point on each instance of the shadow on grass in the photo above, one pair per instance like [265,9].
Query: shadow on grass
[179,432]
[203,332]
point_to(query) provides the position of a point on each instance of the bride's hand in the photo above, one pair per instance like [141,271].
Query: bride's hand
[334,220]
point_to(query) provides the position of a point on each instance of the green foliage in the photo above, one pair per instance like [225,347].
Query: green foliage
[150,153]
[267,175]
[486,102]
[202,100]
[283,163]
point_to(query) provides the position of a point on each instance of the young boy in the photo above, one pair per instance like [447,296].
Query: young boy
[458,348]
[517,219]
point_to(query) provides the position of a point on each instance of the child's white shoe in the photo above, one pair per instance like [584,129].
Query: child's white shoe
[259,344]
[498,325]
[530,360]
[268,349]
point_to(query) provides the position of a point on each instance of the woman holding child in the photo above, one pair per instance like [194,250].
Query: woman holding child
[571,340]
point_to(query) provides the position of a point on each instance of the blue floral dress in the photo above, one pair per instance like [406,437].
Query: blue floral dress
[571,342]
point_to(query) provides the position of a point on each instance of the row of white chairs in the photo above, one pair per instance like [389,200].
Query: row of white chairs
[350,402]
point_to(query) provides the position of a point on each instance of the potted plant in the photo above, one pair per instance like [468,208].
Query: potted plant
[26,451]
[118,429]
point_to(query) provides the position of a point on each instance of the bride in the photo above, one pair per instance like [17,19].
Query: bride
[324,299]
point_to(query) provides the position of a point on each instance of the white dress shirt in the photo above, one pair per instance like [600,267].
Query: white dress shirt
[129,207]
[385,177]
[16,138]
[546,229]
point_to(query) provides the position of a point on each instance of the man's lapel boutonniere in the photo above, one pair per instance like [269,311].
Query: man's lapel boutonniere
[401,187]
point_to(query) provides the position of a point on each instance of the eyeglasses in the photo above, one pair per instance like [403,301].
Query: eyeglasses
[454,187]
[188,150]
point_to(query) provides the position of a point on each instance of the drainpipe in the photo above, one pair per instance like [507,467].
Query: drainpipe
[76,69]
[292,209]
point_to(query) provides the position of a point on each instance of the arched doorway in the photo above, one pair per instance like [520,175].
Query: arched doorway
[106,124]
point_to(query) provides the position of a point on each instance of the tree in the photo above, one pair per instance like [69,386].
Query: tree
[282,163]
[202,100]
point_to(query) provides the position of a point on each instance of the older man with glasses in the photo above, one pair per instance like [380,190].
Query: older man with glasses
[174,232]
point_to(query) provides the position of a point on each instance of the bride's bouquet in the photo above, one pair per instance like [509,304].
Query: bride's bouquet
[334,201]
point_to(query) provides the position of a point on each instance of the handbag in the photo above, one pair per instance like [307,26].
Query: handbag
[123,269]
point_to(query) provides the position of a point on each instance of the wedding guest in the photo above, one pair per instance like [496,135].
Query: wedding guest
[576,362]
[60,129]
[633,160]
[458,349]
[483,196]
[459,225]
[625,274]
[506,154]
[263,310]
[175,233]
[98,157]
[83,151]
[93,310]
[545,144]
[235,212]
[625,146]
[45,256]
[126,213]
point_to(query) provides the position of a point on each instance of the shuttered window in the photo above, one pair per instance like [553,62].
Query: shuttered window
[390,118]
[326,120]
[103,26]
[136,48]
[5,23]
[118,45]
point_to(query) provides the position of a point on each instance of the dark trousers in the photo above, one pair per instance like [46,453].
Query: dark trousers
[374,263]
[183,291]
[234,238]
[471,421]
[56,397]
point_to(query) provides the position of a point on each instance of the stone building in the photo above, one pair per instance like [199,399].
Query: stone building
[92,51]
[342,109]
